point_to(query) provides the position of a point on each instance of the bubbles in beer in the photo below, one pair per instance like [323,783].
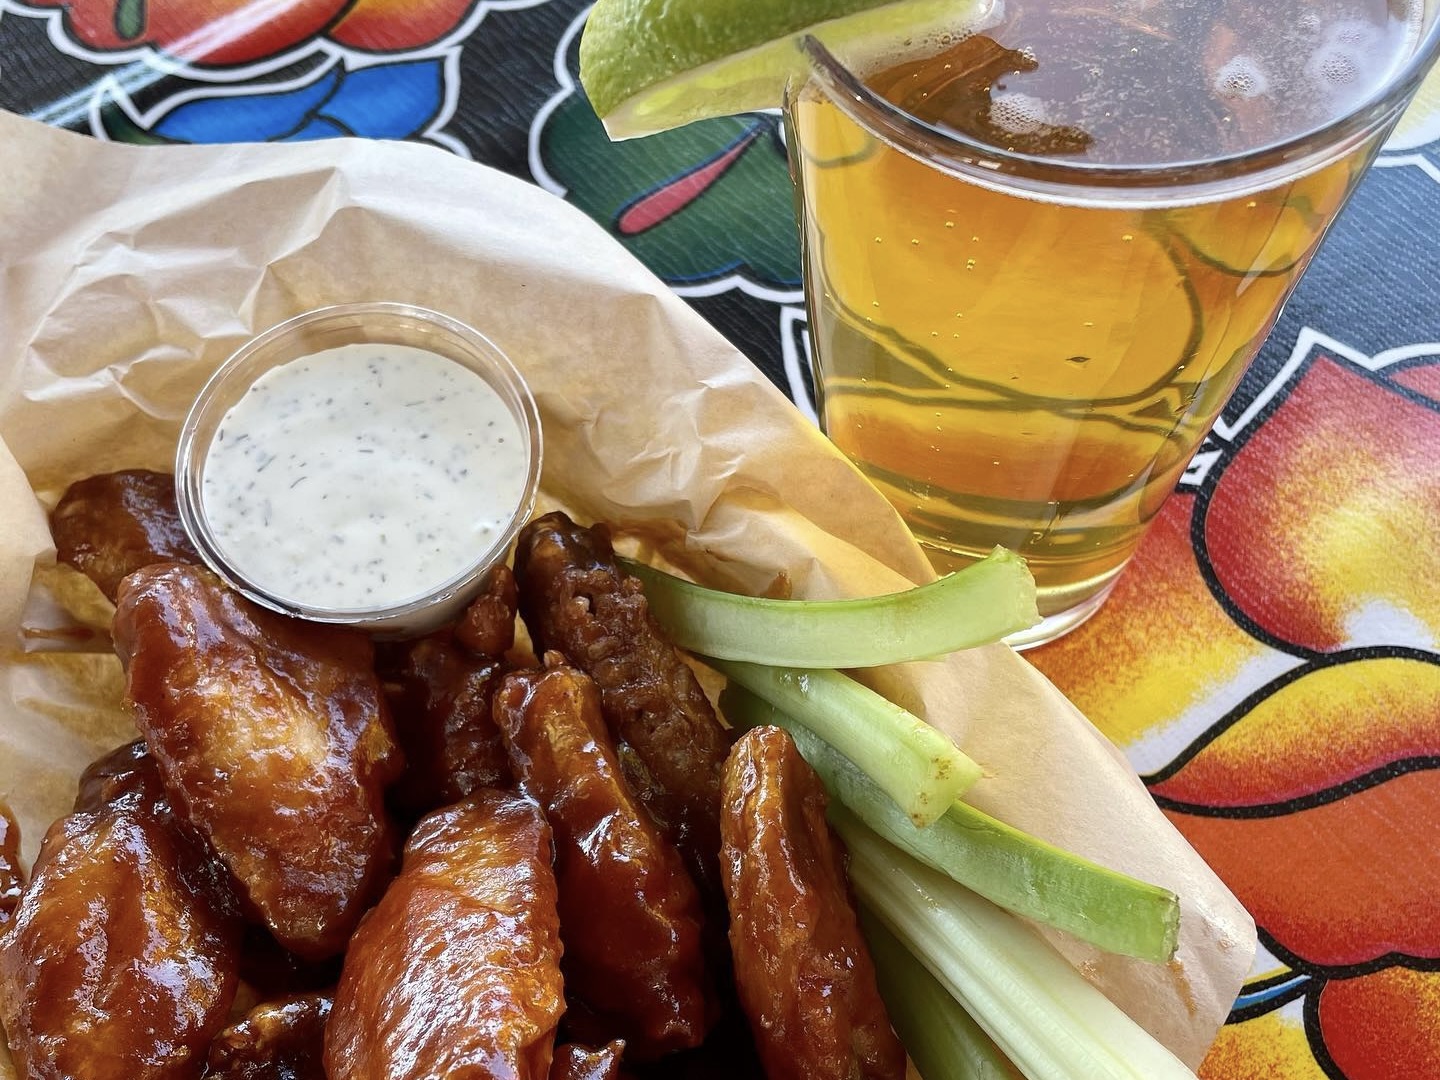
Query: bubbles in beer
[1241,77]
[1017,113]
[1338,63]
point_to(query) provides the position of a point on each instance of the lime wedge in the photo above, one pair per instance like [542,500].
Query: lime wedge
[652,65]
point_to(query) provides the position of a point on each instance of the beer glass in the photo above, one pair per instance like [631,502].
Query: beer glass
[1022,346]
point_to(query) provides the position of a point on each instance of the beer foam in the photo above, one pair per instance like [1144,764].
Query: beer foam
[1241,77]
[1338,62]
[1017,113]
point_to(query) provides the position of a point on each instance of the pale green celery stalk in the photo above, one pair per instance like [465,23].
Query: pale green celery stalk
[940,1037]
[1039,1010]
[917,766]
[1020,872]
[975,606]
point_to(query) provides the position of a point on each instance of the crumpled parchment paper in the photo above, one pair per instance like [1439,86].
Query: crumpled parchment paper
[127,274]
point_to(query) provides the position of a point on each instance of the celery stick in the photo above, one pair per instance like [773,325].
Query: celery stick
[1039,1010]
[940,1037]
[975,606]
[917,766]
[1019,872]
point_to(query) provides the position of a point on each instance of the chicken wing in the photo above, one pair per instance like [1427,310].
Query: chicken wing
[127,774]
[439,696]
[803,971]
[573,1062]
[488,626]
[574,598]
[456,971]
[273,741]
[12,874]
[111,525]
[630,915]
[277,1040]
[120,963]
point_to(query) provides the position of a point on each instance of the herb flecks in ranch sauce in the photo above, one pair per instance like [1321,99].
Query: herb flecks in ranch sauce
[362,476]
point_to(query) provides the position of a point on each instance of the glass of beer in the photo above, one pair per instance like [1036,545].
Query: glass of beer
[1040,251]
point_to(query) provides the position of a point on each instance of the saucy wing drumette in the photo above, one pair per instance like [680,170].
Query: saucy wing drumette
[574,1062]
[804,973]
[120,963]
[439,689]
[487,628]
[12,875]
[439,696]
[111,525]
[276,1040]
[456,972]
[576,599]
[273,740]
[630,914]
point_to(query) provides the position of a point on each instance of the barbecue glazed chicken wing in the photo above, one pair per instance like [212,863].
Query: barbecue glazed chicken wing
[277,1040]
[456,972]
[247,837]
[575,599]
[803,971]
[574,1062]
[12,877]
[439,689]
[439,696]
[630,915]
[488,626]
[273,741]
[120,963]
[111,525]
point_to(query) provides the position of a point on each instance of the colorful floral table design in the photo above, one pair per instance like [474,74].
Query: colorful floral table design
[1271,661]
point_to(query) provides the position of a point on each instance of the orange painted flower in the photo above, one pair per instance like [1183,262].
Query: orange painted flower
[1271,661]
[1332,731]
[1423,379]
[223,33]
[1162,648]
[398,25]
[1344,875]
[1382,1026]
[1353,561]
[1273,1046]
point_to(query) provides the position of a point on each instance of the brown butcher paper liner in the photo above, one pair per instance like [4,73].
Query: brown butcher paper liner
[130,273]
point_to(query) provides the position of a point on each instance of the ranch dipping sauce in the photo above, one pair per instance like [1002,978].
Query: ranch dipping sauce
[362,477]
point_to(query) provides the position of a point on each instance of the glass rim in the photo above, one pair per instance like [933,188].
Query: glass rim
[909,132]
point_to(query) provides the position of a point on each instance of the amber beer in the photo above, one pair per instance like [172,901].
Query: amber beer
[1025,345]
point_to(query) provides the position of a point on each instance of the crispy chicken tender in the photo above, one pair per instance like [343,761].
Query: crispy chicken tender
[111,525]
[803,971]
[456,971]
[273,741]
[277,1040]
[121,960]
[575,599]
[630,915]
